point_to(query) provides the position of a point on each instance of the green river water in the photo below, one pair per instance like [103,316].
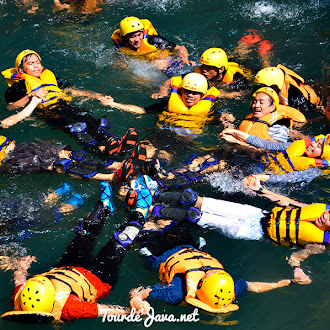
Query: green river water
[80,50]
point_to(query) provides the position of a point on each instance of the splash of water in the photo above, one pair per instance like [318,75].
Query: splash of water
[225,182]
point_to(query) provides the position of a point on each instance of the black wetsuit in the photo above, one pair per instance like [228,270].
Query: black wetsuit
[31,157]
[59,115]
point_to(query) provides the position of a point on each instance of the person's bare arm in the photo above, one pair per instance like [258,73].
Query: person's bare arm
[40,93]
[297,257]
[138,298]
[232,95]
[163,90]
[235,136]
[127,107]
[183,53]
[104,99]
[26,112]
[60,6]
[299,277]
[23,265]
[259,287]
[233,133]
[253,182]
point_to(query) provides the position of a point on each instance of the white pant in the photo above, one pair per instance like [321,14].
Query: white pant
[234,220]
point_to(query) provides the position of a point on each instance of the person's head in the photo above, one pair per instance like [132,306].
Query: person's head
[38,295]
[264,101]
[323,221]
[214,62]
[271,77]
[194,87]
[315,148]
[131,31]
[29,62]
[216,289]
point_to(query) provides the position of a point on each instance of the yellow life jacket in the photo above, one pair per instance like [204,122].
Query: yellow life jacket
[47,80]
[292,158]
[260,126]
[296,226]
[66,281]
[193,264]
[150,51]
[228,78]
[179,115]
[293,79]
[4,142]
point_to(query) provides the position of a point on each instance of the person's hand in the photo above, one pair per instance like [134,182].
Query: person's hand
[156,96]
[25,262]
[36,100]
[141,306]
[188,62]
[106,100]
[40,93]
[228,117]
[235,133]
[252,182]
[300,277]
[228,137]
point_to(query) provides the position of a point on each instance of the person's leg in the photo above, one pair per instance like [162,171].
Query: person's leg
[227,209]
[107,262]
[79,250]
[248,228]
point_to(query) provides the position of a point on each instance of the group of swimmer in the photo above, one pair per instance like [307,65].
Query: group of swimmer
[161,215]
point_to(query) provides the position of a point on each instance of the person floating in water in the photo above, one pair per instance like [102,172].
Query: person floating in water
[29,78]
[226,76]
[71,290]
[138,37]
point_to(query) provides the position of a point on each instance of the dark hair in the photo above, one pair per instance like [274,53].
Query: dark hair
[271,101]
[25,58]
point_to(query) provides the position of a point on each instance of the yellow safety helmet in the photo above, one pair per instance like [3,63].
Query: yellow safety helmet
[215,57]
[4,141]
[22,54]
[129,25]
[326,148]
[270,76]
[195,82]
[217,290]
[270,92]
[38,294]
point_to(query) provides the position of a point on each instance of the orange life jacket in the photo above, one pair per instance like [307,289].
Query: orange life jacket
[260,126]
[293,79]
[66,281]
[193,264]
